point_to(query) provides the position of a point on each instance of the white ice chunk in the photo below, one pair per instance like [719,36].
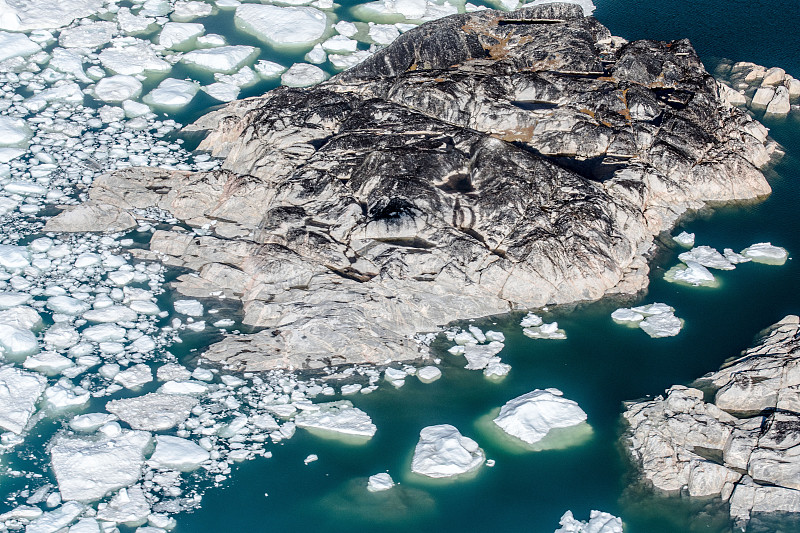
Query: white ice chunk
[113,313]
[155,411]
[179,34]
[64,395]
[429,374]
[15,44]
[133,59]
[764,252]
[624,315]
[172,94]
[692,273]
[117,88]
[684,239]
[733,257]
[657,308]
[224,92]
[19,393]
[173,371]
[496,369]
[135,376]
[25,188]
[444,452]
[380,482]
[91,35]
[90,422]
[340,44]
[708,257]
[598,523]
[85,525]
[269,70]
[662,325]
[464,338]
[104,333]
[282,26]
[88,468]
[531,320]
[189,307]
[303,75]
[56,519]
[16,340]
[178,454]
[337,417]
[226,59]
[66,305]
[479,355]
[49,363]
[530,417]
[14,131]
[477,333]
[128,507]
[12,299]
[345,61]
[383,33]
[45,14]
[545,331]
[495,336]
[348,29]
[186,11]
[189,388]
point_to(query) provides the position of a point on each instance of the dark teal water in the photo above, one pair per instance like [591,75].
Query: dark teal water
[600,365]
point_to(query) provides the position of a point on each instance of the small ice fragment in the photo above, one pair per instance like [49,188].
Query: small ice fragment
[179,34]
[113,313]
[691,273]
[380,482]
[733,257]
[531,321]
[269,70]
[171,371]
[598,523]
[117,88]
[226,59]
[495,336]
[624,315]
[90,422]
[311,458]
[127,507]
[479,355]
[684,239]
[56,519]
[708,257]
[530,417]
[337,417]
[429,374]
[764,252]
[653,309]
[19,393]
[177,453]
[662,325]
[155,411]
[302,75]
[12,299]
[135,376]
[15,44]
[48,363]
[172,94]
[496,369]
[66,305]
[13,258]
[104,333]
[189,307]
[351,388]
[442,451]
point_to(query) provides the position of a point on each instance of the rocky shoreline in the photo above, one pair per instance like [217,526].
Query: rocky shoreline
[482,163]
[744,445]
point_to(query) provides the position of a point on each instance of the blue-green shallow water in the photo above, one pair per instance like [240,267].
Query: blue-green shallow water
[600,365]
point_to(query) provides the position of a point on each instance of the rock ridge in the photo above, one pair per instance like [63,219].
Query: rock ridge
[482,163]
[744,446]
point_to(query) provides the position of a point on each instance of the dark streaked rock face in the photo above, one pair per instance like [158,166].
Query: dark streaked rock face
[481,163]
[751,460]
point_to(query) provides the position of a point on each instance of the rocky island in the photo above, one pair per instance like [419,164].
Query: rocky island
[482,163]
[744,445]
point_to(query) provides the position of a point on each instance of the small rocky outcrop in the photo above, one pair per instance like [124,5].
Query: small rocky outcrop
[482,163]
[744,446]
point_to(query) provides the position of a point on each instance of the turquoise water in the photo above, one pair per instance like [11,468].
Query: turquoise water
[600,365]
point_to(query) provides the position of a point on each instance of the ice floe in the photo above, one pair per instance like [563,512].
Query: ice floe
[380,482]
[429,374]
[707,257]
[155,411]
[89,468]
[337,417]
[303,75]
[225,59]
[117,88]
[19,393]
[177,453]
[534,327]
[442,451]
[684,239]
[764,252]
[172,94]
[599,522]
[532,416]
[282,26]
[657,319]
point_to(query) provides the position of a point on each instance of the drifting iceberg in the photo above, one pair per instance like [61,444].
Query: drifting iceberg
[442,451]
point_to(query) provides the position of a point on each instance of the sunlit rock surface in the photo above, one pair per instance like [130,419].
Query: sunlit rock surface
[482,163]
[745,446]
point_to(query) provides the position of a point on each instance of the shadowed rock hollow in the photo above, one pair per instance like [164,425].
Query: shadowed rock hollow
[482,163]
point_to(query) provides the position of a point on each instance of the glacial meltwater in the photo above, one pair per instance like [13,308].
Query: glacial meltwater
[280,486]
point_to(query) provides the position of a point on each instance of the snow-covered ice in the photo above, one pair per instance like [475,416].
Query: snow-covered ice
[429,374]
[14,131]
[189,307]
[656,319]
[91,35]
[442,451]
[127,507]
[132,58]
[303,75]
[88,468]
[155,411]
[115,89]
[225,59]
[599,522]
[380,482]
[530,417]
[178,35]
[282,26]
[684,239]
[691,273]
[172,94]
[135,376]
[57,519]
[764,252]
[16,45]
[545,331]
[661,325]
[19,393]
[708,257]
[479,355]
[177,453]
[337,417]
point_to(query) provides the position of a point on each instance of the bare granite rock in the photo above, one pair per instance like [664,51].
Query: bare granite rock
[482,163]
[752,459]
